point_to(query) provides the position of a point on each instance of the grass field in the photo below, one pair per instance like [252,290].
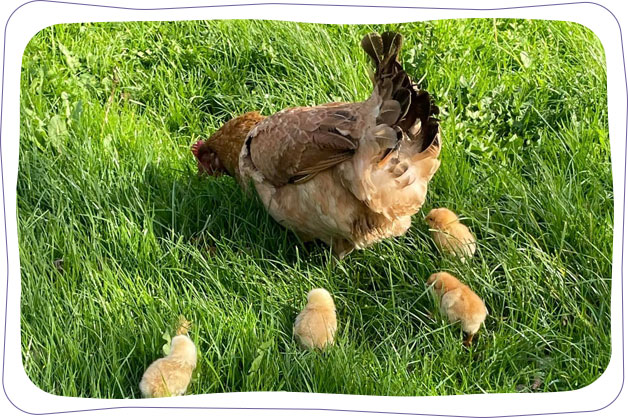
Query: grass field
[107,184]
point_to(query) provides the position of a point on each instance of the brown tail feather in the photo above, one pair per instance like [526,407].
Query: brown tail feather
[417,117]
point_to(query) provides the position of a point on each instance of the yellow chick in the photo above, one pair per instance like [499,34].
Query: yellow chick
[170,375]
[449,234]
[316,325]
[459,303]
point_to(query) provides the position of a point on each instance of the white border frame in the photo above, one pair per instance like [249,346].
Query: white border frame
[31,17]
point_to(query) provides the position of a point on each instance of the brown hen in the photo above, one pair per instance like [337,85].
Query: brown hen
[349,174]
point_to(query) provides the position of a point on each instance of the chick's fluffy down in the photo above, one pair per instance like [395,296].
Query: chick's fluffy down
[170,376]
[316,325]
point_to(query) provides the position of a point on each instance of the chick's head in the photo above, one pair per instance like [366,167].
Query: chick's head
[440,217]
[320,297]
[183,347]
[443,282]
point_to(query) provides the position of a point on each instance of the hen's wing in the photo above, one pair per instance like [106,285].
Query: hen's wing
[295,144]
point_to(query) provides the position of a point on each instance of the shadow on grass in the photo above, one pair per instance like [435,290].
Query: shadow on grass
[216,216]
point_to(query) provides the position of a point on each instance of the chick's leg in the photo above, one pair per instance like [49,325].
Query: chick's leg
[467,340]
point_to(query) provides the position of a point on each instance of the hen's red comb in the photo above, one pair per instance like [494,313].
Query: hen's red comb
[196,146]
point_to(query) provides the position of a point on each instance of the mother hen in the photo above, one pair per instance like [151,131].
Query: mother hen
[349,174]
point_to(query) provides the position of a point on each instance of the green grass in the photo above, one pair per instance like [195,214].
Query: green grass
[108,185]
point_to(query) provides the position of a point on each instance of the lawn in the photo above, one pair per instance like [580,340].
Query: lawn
[118,235]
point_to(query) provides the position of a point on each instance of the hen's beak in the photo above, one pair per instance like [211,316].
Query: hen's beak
[196,147]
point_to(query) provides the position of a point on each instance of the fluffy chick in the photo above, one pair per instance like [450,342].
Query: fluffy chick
[449,234]
[316,325]
[459,303]
[170,375]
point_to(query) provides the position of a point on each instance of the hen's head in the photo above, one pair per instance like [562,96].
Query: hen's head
[207,159]
[441,217]
[220,154]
